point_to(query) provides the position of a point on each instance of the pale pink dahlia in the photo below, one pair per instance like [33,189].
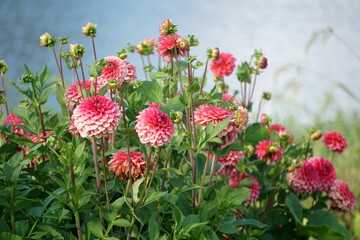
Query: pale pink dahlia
[255,188]
[224,66]
[12,120]
[326,172]
[154,127]
[304,179]
[342,199]
[73,96]
[96,117]
[229,163]
[36,138]
[116,69]
[226,97]
[269,151]
[335,141]
[169,46]
[119,165]
[131,72]
[206,114]
[277,128]
[265,120]
[167,27]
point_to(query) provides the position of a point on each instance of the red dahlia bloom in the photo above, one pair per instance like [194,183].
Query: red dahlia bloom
[73,95]
[304,179]
[206,114]
[335,141]
[12,120]
[154,127]
[341,197]
[269,151]
[229,163]
[168,47]
[96,117]
[255,188]
[119,165]
[326,172]
[224,66]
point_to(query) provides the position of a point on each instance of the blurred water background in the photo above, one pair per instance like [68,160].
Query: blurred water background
[307,81]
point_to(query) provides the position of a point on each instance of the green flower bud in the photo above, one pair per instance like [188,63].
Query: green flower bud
[64,40]
[316,135]
[266,95]
[137,83]
[89,30]
[77,51]
[176,117]
[273,149]
[46,40]
[113,84]
[3,67]
[26,78]
[249,150]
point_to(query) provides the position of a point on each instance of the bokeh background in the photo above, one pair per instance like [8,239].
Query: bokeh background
[312,46]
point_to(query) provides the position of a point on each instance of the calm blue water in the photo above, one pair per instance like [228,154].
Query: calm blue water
[280,28]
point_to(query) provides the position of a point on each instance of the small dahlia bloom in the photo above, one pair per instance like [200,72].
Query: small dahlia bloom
[224,66]
[342,199]
[34,138]
[226,97]
[154,127]
[262,62]
[255,187]
[326,172]
[146,47]
[119,165]
[241,118]
[269,151]
[277,128]
[167,27]
[265,120]
[96,117]
[206,114]
[115,69]
[73,95]
[282,132]
[12,120]
[229,163]
[130,72]
[335,141]
[89,30]
[304,179]
[168,47]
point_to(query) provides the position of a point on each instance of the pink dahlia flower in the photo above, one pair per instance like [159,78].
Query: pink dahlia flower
[96,117]
[168,47]
[154,127]
[167,27]
[229,163]
[342,199]
[226,97]
[265,120]
[269,151]
[206,114]
[277,128]
[304,179]
[335,141]
[131,72]
[224,66]
[73,95]
[119,165]
[255,188]
[12,120]
[116,69]
[35,138]
[282,132]
[326,172]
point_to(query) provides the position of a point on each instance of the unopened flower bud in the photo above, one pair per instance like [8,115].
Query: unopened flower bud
[113,84]
[266,95]
[89,30]
[176,117]
[316,135]
[182,44]
[137,83]
[192,40]
[64,40]
[77,51]
[26,78]
[265,120]
[215,53]
[3,67]
[249,150]
[273,149]
[122,55]
[167,27]
[46,40]
[262,62]
[146,47]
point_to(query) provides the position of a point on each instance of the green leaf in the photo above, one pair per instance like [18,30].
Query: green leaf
[243,72]
[79,151]
[136,187]
[154,196]
[9,236]
[44,96]
[293,203]
[153,229]
[158,75]
[95,227]
[239,195]
[250,222]
[254,134]
[219,127]
[121,222]
[152,91]
[22,227]
[227,227]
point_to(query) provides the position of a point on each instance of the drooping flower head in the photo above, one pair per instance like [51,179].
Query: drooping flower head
[167,27]
[304,179]
[326,172]
[206,114]
[229,163]
[146,47]
[171,46]
[335,141]
[73,95]
[342,199]
[120,167]
[224,66]
[115,69]
[269,151]
[154,127]
[255,188]
[12,120]
[96,117]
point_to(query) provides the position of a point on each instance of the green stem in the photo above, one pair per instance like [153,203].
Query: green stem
[94,50]
[97,176]
[204,75]
[105,174]
[143,63]
[259,109]
[78,225]
[213,164]
[203,180]
[3,87]
[12,217]
[307,147]
[59,66]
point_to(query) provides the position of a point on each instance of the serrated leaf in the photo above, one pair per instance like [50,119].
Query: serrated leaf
[294,206]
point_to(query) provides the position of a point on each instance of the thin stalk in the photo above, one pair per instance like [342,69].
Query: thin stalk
[94,50]
[167,164]
[105,174]
[204,75]
[78,225]
[307,147]
[252,90]
[97,176]
[59,68]
[12,219]
[332,157]
[212,170]
[259,109]
[3,87]
[72,175]
[40,112]
[203,179]
[143,63]
[78,79]
[179,71]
